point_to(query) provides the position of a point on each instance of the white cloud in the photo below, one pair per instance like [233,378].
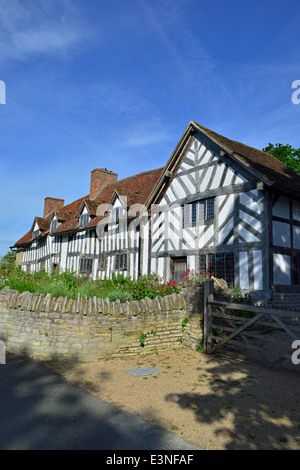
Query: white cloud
[38,27]
[145,137]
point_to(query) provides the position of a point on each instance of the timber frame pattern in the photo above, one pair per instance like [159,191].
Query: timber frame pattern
[248,232]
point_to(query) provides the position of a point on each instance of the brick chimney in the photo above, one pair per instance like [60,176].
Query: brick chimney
[52,203]
[99,179]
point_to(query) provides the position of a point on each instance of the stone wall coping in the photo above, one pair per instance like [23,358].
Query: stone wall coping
[89,306]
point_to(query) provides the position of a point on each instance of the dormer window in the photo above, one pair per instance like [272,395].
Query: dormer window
[117,212]
[54,225]
[35,234]
[84,219]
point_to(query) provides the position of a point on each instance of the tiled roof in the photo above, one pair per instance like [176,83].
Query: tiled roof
[72,223]
[92,206]
[44,223]
[61,216]
[136,188]
[24,240]
[265,165]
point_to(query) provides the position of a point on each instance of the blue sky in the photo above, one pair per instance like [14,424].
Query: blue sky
[91,83]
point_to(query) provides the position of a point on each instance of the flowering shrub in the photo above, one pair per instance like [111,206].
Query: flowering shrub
[68,284]
[192,276]
[152,286]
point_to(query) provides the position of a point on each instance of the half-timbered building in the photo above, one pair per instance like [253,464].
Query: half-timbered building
[217,205]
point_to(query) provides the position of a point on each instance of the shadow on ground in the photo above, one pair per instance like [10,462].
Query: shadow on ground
[263,404]
[39,410]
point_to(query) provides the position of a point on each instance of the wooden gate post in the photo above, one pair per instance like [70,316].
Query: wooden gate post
[208,296]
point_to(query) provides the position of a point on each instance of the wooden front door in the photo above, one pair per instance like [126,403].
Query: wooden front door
[178,267]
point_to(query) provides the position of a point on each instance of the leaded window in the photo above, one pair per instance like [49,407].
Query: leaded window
[296,270]
[102,262]
[121,262]
[54,225]
[220,265]
[84,219]
[199,211]
[35,234]
[86,265]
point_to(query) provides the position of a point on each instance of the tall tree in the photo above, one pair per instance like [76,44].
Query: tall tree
[287,154]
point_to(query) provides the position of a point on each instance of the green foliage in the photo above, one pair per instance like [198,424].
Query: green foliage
[68,284]
[119,295]
[238,298]
[150,286]
[7,266]
[9,258]
[143,338]
[184,322]
[191,276]
[286,154]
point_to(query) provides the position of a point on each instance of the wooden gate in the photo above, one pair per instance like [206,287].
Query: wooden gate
[267,331]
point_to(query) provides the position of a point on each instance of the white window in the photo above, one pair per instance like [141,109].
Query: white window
[54,225]
[35,233]
[84,219]
[117,212]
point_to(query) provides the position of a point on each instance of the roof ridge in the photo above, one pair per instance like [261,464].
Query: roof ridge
[246,146]
[126,179]
[265,165]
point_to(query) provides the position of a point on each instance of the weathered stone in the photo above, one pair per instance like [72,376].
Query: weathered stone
[100,305]
[48,302]
[106,307]
[221,291]
[136,307]
[69,305]
[63,309]
[145,304]
[61,332]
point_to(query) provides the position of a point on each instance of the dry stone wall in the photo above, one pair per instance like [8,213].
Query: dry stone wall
[48,328]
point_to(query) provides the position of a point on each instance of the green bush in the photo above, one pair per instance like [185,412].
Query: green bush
[68,284]
[119,295]
[238,298]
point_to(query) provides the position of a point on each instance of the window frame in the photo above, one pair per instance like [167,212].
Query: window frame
[86,265]
[54,222]
[121,262]
[221,264]
[192,213]
[84,219]
[35,234]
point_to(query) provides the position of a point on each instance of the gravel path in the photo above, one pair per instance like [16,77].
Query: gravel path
[220,402]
